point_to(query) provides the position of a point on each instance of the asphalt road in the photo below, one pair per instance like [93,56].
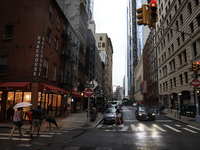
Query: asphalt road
[161,134]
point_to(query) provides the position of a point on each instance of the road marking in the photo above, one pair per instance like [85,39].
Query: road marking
[18,139]
[163,120]
[100,125]
[124,128]
[133,127]
[159,128]
[193,127]
[130,120]
[178,125]
[190,130]
[172,128]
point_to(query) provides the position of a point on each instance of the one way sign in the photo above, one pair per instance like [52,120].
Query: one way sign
[95,84]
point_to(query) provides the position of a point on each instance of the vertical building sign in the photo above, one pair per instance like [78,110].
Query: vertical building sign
[39,51]
[144,87]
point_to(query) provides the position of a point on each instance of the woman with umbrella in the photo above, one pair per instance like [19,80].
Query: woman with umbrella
[17,122]
[17,118]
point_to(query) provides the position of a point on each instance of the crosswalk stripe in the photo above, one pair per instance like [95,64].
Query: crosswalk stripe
[133,127]
[163,120]
[190,130]
[18,139]
[159,128]
[172,128]
[193,127]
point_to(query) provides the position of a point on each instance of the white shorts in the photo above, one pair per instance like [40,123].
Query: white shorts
[118,115]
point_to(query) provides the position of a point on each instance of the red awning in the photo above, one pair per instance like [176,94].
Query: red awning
[52,89]
[76,94]
[9,86]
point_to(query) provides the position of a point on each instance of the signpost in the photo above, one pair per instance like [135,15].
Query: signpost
[88,94]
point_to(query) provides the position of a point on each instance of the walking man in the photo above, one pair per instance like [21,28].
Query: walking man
[37,120]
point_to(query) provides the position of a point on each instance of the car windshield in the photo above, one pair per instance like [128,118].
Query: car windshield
[110,110]
[143,109]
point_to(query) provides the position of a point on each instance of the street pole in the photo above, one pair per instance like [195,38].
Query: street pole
[197,117]
[88,113]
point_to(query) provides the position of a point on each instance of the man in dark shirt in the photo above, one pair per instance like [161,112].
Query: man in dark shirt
[37,120]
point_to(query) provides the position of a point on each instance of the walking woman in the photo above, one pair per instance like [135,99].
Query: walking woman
[17,122]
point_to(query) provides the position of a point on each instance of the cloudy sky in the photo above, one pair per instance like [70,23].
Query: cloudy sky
[110,18]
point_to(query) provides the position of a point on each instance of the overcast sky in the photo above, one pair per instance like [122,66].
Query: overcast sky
[110,18]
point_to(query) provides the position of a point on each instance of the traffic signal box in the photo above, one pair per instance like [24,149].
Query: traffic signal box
[196,66]
[142,15]
[148,16]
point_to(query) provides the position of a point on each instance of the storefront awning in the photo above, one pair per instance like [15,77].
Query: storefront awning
[9,86]
[52,89]
[76,94]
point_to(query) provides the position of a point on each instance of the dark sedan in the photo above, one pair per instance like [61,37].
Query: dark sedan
[144,113]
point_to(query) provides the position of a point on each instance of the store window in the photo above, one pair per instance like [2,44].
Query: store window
[0,100]
[59,106]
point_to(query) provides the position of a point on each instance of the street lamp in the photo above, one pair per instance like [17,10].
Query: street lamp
[195,89]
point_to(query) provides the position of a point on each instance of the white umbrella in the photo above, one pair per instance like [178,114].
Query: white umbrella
[22,104]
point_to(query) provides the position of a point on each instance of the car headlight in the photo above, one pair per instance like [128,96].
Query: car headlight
[140,114]
[153,114]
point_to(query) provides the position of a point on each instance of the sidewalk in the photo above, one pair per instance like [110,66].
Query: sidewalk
[173,115]
[73,121]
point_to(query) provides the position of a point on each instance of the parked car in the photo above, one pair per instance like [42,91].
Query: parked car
[144,113]
[109,115]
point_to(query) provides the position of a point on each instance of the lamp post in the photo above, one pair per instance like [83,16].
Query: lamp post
[195,89]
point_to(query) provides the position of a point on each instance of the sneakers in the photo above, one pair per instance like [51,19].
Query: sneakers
[31,135]
[114,124]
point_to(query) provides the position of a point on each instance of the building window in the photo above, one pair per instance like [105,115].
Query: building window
[61,76]
[171,85]
[198,20]
[172,47]
[45,68]
[181,79]
[174,81]
[100,38]
[183,36]
[171,31]
[56,43]
[53,72]
[186,77]
[190,7]
[48,36]
[185,56]
[197,2]
[51,13]
[179,1]
[58,22]
[103,44]
[178,41]
[8,32]
[191,27]
[180,59]
[195,49]
[181,18]
[3,64]
[99,44]
[177,27]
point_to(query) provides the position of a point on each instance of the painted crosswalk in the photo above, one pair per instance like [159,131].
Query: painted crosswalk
[141,127]
[26,136]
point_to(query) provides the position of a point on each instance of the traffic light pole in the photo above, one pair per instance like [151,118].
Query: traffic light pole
[196,77]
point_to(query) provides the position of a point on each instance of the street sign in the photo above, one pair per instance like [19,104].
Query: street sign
[89,85]
[195,83]
[88,92]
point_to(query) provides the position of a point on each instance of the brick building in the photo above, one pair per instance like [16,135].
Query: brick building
[38,56]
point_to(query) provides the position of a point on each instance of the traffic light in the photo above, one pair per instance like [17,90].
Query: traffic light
[152,13]
[142,15]
[153,9]
[195,66]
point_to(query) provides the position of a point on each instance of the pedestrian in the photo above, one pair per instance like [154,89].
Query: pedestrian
[37,120]
[118,116]
[48,116]
[17,122]
[30,119]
